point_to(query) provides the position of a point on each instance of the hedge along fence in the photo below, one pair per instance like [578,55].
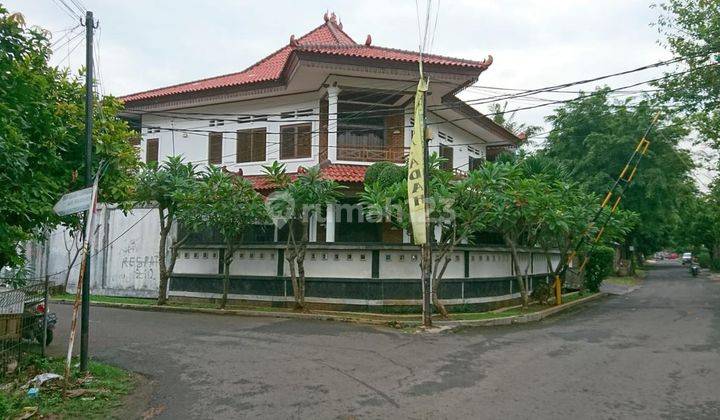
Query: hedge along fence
[599,267]
[362,294]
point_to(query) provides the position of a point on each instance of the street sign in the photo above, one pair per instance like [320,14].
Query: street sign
[74,202]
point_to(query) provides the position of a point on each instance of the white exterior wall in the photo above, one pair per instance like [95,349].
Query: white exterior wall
[193,146]
[125,258]
[461,144]
[490,264]
[336,264]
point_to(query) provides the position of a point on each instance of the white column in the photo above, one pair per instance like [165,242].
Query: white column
[330,224]
[332,93]
[438,233]
[312,234]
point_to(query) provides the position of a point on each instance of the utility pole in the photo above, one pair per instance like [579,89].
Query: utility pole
[89,97]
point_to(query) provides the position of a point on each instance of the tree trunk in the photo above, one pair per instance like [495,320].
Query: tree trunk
[436,279]
[518,275]
[301,262]
[227,260]
[291,257]
[164,275]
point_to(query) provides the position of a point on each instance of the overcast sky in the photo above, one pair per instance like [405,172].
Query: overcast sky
[535,43]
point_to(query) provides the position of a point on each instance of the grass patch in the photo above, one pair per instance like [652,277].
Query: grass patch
[622,281]
[150,301]
[504,313]
[91,396]
[108,299]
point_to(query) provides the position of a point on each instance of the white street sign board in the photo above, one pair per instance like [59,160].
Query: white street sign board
[74,202]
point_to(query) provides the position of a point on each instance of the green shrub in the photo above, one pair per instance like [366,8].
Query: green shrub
[715,265]
[542,292]
[704,259]
[599,266]
[384,173]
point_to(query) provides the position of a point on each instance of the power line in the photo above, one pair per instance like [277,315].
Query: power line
[67,9]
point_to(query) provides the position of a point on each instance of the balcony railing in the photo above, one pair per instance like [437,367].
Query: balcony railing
[370,154]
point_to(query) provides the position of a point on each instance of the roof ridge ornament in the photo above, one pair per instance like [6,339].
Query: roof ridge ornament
[488,61]
[326,16]
[293,41]
[368,40]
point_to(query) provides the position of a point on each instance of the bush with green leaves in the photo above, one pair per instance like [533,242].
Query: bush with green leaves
[385,174]
[704,259]
[599,266]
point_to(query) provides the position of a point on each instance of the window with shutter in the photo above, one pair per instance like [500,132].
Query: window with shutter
[474,163]
[152,149]
[446,152]
[215,148]
[295,141]
[251,145]
[259,145]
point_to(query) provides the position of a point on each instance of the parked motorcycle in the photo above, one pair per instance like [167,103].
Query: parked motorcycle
[32,324]
[694,269]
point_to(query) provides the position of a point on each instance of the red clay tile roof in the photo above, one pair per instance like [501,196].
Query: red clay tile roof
[327,38]
[335,172]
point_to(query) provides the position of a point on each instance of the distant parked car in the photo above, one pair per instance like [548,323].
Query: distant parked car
[686,258]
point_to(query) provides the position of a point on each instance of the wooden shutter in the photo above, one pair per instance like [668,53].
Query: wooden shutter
[304,140]
[152,149]
[446,152]
[243,149]
[258,144]
[215,148]
[475,163]
[287,142]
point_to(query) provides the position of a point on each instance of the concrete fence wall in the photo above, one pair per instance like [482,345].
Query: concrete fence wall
[125,263]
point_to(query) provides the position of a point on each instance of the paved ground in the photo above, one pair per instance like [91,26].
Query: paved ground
[650,354]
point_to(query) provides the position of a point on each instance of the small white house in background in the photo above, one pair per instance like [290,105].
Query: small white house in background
[322,99]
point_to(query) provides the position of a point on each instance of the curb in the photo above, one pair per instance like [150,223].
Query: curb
[521,319]
[490,322]
[240,312]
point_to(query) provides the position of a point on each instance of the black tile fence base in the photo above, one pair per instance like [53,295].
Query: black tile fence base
[379,295]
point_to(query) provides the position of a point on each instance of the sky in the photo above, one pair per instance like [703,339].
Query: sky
[145,44]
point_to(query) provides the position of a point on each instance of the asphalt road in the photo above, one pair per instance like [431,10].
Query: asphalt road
[654,353]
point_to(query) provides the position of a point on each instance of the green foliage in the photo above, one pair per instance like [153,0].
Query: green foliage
[225,203]
[700,223]
[542,292]
[594,138]
[704,259]
[691,29]
[166,186]
[599,266]
[221,201]
[104,392]
[294,202]
[385,174]
[42,138]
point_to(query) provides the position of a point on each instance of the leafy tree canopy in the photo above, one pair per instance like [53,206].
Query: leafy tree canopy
[42,138]
[691,30]
[593,138]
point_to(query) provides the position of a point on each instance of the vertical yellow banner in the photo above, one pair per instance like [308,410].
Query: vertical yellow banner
[416,168]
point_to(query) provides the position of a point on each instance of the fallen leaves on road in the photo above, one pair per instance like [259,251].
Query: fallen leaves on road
[153,412]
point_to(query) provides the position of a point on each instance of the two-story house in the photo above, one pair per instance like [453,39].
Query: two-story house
[322,99]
